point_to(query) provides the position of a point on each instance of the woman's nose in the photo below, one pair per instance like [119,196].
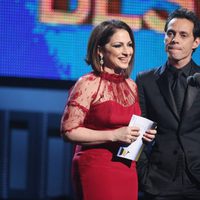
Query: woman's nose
[126,50]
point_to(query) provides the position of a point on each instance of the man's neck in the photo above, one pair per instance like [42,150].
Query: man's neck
[179,64]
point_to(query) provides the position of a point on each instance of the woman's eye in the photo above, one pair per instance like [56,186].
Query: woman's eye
[117,45]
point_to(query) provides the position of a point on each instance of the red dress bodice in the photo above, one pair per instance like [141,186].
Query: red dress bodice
[101,102]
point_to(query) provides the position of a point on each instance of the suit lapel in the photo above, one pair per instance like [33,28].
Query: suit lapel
[165,91]
[191,92]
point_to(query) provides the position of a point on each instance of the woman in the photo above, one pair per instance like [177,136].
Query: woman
[97,115]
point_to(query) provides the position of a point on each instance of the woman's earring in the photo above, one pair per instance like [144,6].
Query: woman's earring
[101,60]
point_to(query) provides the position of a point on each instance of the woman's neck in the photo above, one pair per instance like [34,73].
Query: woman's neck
[112,71]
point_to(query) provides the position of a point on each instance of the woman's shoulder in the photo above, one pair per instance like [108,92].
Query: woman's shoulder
[87,83]
[131,83]
[89,77]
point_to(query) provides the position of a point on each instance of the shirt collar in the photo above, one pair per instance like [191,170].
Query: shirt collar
[185,70]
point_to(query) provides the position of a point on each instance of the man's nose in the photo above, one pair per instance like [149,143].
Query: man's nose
[175,38]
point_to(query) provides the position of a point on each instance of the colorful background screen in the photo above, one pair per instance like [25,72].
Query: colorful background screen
[47,39]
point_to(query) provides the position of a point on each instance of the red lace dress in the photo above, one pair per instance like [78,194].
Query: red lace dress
[102,102]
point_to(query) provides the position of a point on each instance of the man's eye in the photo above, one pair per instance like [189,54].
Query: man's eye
[170,33]
[183,35]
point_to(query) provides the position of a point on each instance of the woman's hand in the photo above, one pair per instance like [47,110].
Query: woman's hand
[150,135]
[126,134]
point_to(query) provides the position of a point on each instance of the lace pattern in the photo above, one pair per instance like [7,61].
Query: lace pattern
[91,90]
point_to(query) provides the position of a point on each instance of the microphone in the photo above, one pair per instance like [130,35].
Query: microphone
[194,80]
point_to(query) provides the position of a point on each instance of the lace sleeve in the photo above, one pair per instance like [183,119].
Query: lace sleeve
[79,101]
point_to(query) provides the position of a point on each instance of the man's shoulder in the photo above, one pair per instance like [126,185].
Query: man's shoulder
[150,72]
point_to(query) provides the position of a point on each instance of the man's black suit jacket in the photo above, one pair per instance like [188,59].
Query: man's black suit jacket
[157,170]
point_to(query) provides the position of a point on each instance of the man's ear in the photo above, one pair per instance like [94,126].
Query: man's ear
[196,43]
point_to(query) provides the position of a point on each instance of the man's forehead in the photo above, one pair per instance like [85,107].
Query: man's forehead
[180,24]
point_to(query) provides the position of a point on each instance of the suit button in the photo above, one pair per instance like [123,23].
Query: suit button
[175,152]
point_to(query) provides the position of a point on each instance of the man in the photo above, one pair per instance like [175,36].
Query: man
[170,170]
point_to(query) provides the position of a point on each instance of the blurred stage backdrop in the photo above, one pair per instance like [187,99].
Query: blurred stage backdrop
[42,50]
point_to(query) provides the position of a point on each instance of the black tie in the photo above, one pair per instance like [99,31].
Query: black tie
[178,89]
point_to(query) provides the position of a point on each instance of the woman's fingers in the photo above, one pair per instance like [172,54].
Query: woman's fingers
[150,135]
[133,134]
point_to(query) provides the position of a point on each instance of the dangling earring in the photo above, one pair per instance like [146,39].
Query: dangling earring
[101,60]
